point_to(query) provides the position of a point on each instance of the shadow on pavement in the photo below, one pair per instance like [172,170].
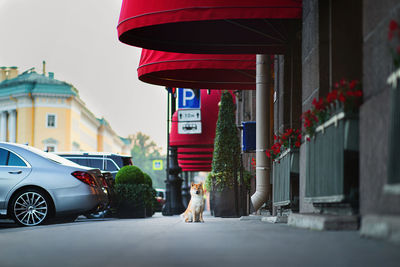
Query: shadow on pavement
[7,224]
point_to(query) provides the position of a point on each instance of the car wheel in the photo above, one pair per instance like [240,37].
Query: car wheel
[30,207]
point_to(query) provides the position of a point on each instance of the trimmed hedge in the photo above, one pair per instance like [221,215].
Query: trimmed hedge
[130,175]
[148,180]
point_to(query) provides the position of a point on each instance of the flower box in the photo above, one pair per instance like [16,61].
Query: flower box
[285,170]
[332,160]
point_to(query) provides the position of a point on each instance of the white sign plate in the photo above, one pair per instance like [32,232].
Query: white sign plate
[192,127]
[189,115]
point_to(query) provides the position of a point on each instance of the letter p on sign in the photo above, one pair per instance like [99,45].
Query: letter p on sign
[187,99]
[188,94]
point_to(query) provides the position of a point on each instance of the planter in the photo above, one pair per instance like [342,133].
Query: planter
[285,175]
[149,211]
[128,210]
[224,203]
[332,161]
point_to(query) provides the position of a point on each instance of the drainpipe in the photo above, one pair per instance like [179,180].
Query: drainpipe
[262,131]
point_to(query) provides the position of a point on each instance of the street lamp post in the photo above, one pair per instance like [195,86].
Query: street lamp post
[186,189]
[173,183]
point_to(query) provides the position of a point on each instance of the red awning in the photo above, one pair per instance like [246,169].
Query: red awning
[197,150]
[204,157]
[209,115]
[211,71]
[182,162]
[196,169]
[209,26]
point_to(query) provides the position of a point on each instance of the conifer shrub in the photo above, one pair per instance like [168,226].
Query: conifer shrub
[226,157]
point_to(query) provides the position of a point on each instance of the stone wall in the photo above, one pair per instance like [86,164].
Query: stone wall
[374,113]
[310,81]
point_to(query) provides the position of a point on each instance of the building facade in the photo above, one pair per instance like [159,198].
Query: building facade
[349,170]
[46,113]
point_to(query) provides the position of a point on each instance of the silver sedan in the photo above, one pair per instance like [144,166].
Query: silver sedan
[36,186]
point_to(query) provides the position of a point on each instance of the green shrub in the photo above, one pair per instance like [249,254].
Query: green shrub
[137,195]
[219,181]
[130,175]
[226,156]
[148,180]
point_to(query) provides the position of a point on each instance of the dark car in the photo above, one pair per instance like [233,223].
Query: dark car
[110,162]
[160,197]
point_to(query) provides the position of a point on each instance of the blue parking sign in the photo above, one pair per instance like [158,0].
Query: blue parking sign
[188,99]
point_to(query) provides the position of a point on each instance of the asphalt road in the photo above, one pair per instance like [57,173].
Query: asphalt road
[167,241]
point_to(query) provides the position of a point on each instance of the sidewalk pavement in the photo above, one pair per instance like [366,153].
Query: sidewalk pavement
[167,241]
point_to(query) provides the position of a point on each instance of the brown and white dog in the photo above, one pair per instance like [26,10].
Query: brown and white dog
[194,211]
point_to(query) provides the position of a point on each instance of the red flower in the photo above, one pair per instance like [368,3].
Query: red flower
[342,98]
[393,25]
[353,84]
[332,96]
[358,93]
[297,144]
[308,139]
[343,82]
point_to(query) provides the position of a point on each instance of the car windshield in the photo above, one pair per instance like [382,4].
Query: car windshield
[52,157]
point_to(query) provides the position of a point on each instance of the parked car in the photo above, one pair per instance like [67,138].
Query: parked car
[160,197]
[104,161]
[108,163]
[36,186]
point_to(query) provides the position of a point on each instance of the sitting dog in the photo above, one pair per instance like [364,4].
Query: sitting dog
[194,211]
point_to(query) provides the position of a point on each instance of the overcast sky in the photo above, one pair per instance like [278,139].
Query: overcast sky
[78,40]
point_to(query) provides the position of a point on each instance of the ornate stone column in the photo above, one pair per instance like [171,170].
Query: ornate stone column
[12,126]
[3,126]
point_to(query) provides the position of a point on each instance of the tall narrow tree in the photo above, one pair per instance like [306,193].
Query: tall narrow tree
[226,157]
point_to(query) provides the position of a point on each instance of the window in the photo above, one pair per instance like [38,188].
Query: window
[80,161]
[50,148]
[96,163]
[8,158]
[14,160]
[51,121]
[110,166]
[3,157]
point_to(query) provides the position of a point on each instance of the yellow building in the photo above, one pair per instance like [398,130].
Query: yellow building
[43,112]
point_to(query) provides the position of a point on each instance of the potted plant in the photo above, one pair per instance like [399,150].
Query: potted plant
[285,167]
[331,128]
[222,181]
[133,194]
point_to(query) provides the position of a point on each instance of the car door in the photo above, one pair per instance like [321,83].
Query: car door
[13,169]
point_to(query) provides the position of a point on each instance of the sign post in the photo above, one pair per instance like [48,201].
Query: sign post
[189,114]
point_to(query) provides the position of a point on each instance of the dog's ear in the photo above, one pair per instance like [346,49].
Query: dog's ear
[192,183]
